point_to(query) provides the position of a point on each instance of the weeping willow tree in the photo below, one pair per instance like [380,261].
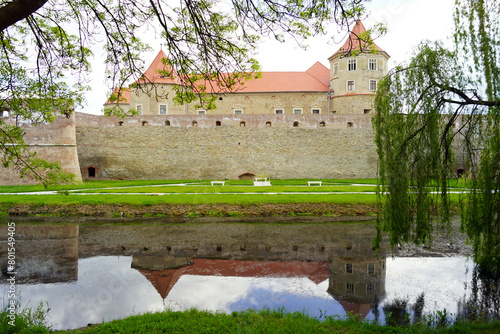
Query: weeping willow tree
[440,103]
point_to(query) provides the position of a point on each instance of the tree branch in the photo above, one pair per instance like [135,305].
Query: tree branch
[18,10]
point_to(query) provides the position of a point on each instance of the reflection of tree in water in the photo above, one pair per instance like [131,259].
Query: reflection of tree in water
[397,311]
[484,300]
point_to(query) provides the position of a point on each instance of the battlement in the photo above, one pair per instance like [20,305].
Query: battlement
[309,121]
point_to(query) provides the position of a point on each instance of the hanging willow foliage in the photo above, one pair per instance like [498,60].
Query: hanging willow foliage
[440,104]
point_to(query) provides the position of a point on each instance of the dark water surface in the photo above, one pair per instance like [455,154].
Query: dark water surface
[94,272]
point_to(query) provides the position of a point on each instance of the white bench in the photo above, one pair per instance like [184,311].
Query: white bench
[261,181]
[310,183]
[218,182]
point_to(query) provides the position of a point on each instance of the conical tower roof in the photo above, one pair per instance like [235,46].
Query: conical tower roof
[354,42]
[154,71]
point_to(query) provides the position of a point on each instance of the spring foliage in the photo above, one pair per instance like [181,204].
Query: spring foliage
[440,111]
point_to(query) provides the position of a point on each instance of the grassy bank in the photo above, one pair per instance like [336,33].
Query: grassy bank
[264,321]
[193,197]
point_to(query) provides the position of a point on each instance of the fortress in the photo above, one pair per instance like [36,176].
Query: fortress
[312,124]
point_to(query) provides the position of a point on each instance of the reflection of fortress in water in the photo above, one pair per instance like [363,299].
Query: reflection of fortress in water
[355,274]
[357,278]
[43,253]
[339,253]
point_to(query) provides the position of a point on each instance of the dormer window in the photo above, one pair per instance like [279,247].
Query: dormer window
[351,65]
[372,64]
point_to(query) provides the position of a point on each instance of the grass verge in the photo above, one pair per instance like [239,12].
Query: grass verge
[264,321]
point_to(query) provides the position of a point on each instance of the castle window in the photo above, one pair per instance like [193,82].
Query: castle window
[350,288]
[351,65]
[268,124]
[348,268]
[350,86]
[373,85]
[278,111]
[167,123]
[349,124]
[243,124]
[335,68]
[163,109]
[297,111]
[371,268]
[372,64]
[144,123]
[295,124]
[370,289]
[202,112]
[194,123]
[139,109]
[315,111]
[91,171]
[218,123]
[238,111]
[322,124]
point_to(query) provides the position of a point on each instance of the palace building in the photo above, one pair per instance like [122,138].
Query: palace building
[348,87]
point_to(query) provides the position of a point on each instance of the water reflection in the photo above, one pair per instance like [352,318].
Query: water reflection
[357,278]
[43,253]
[321,268]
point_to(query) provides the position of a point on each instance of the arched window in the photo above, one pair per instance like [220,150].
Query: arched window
[194,123]
[243,124]
[144,123]
[167,123]
[268,123]
[295,124]
[322,124]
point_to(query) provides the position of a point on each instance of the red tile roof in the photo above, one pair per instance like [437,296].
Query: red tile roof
[158,65]
[315,79]
[122,94]
[353,41]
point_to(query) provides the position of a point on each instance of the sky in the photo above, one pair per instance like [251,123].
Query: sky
[409,22]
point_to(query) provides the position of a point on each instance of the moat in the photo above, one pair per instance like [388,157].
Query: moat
[93,271]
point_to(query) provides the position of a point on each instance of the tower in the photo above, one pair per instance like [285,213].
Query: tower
[355,70]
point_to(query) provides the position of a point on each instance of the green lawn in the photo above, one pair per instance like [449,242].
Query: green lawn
[239,192]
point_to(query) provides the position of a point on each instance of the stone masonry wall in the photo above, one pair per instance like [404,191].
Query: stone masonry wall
[336,149]
[52,141]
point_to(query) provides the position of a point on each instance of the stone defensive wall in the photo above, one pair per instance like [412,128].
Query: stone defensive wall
[226,146]
[53,141]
